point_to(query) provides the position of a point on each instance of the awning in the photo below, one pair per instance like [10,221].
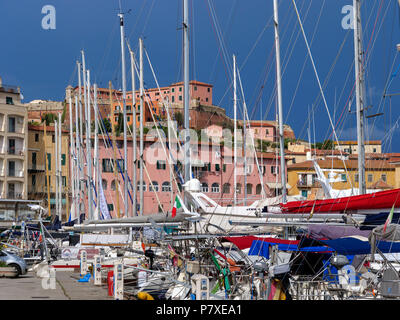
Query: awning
[196,163]
[277,185]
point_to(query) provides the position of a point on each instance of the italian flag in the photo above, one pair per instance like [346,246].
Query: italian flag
[389,219]
[177,205]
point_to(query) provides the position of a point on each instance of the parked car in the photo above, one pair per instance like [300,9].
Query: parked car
[12,260]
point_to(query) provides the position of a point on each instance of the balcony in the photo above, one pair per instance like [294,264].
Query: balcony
[14,195]
[16,151]
[33,167]
[314,184]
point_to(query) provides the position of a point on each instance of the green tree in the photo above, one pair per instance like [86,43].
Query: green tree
[49,118]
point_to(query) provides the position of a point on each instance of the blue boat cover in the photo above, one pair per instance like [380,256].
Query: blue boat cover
[360,245]
[261,248]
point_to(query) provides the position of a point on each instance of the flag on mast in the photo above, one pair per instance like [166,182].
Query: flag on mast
[177,205]
[389,219]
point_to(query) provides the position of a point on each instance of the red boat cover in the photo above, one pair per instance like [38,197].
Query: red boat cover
[246,241]
[376,200]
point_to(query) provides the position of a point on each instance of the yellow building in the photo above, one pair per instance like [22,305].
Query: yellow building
[379,174]
[39,147]
[352,146]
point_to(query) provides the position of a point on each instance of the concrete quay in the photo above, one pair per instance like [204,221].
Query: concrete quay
[67,287]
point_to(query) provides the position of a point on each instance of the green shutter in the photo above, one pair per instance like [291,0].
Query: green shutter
[63,159]
[49,161]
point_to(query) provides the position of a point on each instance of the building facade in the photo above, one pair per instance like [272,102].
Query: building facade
[13,144]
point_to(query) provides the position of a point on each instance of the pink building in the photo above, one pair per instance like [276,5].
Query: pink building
[199,91]
[211,163]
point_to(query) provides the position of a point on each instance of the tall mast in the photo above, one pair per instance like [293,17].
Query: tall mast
[78,162]
[234,133]
[96,151]
[115,156]
[72,152]
[121,24]
[89,150]
[279,99]
[47,163]
[60,184]
[141,117]
[360,93]
[134,156]
[186,89]
[80,140]
[56,163]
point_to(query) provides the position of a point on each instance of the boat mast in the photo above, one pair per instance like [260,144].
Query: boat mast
[360,93]
[78,162]
[186,90]
[56,162]
[114,146]
[79,129]
[60,184]
[279,99]
[96,171]
[121,25]
[72,152]
[141,117]
[89,149]
[234,133]
[134,156]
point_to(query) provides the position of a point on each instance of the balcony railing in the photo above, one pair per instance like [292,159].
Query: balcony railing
[314,184]
[14,195]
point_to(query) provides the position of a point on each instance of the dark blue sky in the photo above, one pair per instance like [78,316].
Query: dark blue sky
[42,62]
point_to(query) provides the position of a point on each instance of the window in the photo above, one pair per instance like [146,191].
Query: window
[238,188]
[128,108]
[383,177]
[110,207]
[266,132]
[36,137]
[274,169]
[206,99]
[226,188]
[120,165]
[33,180]
[370,178]
[161,165]
[153,186]
[11,124]
[107,165]
[343,177]
[356,177]
[249,188]
[113,185]
[9,100]
[11,168]
[217,167]
[204,187]
[173,99]
[104,184]
[166,187]
[63,159]
[128,118]
[195,88]
[215,188]
[180,98]
[64,181]
[208,89]
[11,146]
[138,186]
[34,154]
[53,138]
[180,88]
[173,90]
[374,150]
[258,189]
[224,167]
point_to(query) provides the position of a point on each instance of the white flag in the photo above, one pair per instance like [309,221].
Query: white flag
[102,203]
